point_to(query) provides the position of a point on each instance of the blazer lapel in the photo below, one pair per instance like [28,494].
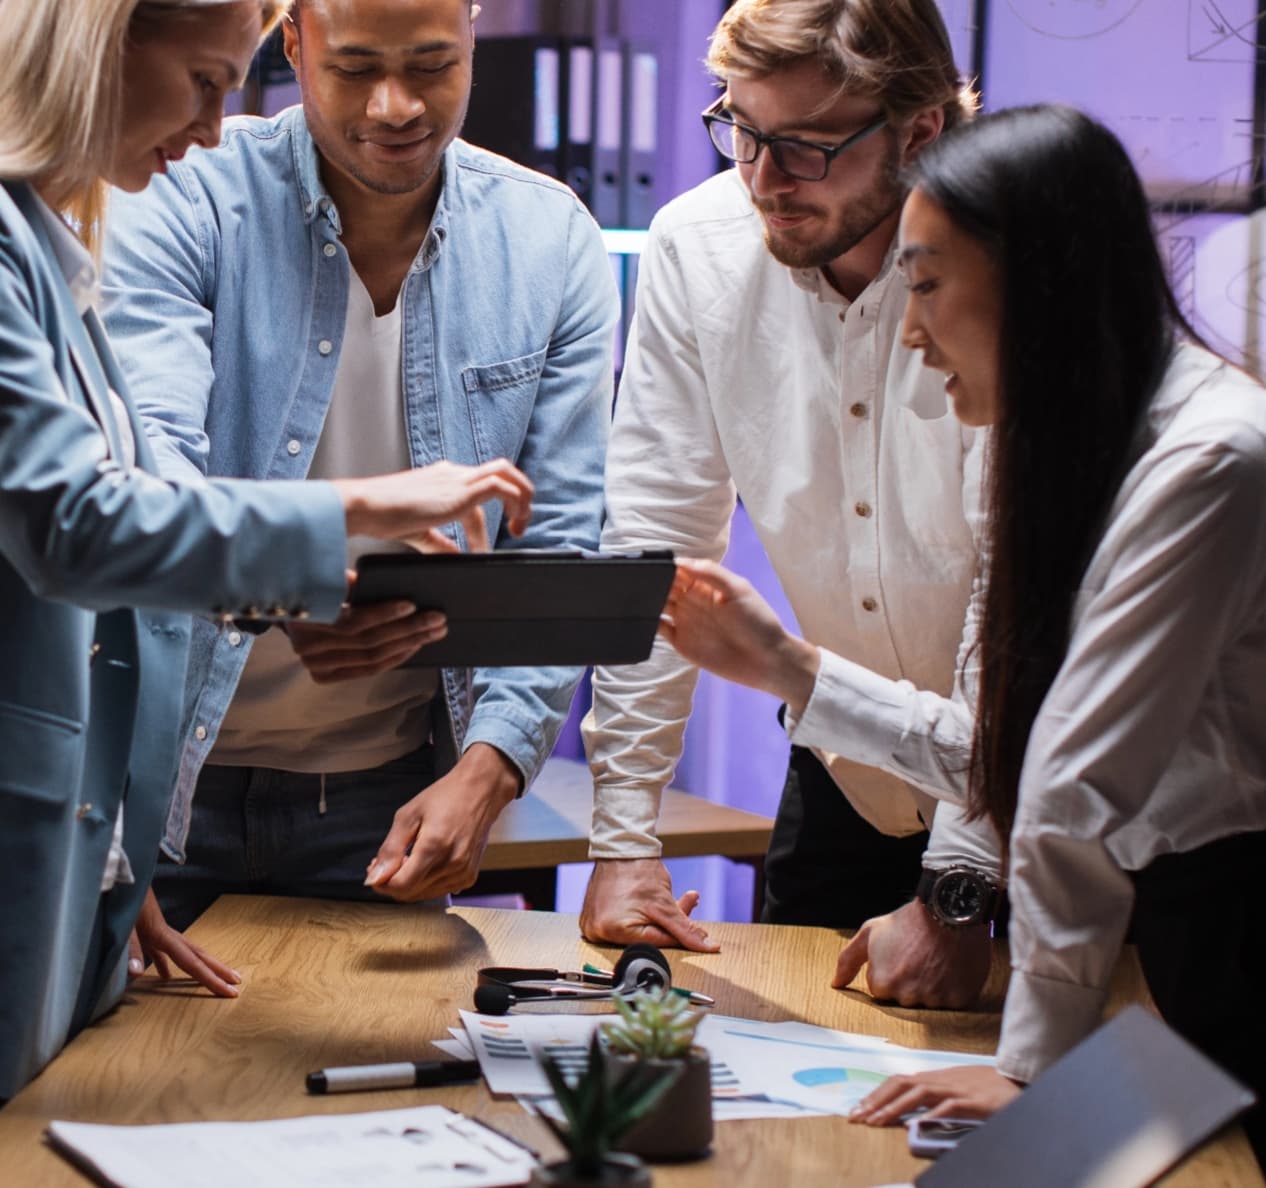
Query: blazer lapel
[93,386]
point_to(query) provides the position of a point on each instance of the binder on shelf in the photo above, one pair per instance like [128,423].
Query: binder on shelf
[578,87]
[608,132]
[518,101]
[640,135]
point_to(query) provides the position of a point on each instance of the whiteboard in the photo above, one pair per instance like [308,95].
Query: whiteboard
[1172,78]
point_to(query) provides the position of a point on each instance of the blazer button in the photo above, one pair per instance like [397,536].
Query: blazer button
[82,811]
[301,613]
[93,653]
[250,612]
[277,611]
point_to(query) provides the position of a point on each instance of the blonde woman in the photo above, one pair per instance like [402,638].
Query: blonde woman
[94,93]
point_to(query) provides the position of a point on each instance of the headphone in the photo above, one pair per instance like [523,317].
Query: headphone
[641,967]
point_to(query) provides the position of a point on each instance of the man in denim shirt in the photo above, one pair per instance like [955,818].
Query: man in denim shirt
[335,290]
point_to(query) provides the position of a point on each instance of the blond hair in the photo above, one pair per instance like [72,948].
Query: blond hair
[896,51]
[61,92]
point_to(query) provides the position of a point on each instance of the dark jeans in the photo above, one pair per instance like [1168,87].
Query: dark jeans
[827,865]
[1199,929]
[259,831]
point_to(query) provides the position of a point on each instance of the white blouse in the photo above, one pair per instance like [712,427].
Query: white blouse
[1152,738]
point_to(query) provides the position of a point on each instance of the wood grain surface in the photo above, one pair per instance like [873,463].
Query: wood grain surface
[329,984]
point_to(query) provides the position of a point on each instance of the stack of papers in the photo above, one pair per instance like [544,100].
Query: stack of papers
[428,1145]
[759,1070]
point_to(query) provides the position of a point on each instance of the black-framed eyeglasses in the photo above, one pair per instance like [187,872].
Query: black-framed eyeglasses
[800,159]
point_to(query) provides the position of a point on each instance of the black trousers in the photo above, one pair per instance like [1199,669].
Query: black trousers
[1199,926]
[827,865]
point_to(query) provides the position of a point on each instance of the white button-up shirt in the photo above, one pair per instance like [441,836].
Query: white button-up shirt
[743,375]
[1152,739]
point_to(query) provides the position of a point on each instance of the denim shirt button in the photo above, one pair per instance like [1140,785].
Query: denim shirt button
[330,250]
[293,447]
[325,346]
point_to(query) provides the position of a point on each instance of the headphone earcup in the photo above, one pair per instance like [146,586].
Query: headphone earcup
[641,967]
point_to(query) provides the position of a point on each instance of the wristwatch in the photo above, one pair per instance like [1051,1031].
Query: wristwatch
[958,896]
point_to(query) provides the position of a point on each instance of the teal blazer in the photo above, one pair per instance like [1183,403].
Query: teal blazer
[90,689]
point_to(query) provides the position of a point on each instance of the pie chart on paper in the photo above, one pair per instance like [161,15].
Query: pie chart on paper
[850,1083]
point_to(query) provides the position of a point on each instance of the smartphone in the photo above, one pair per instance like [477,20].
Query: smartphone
[932,1137]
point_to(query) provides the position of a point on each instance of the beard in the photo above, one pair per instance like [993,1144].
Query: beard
[844,229]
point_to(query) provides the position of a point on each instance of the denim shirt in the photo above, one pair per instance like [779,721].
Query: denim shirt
[226,291]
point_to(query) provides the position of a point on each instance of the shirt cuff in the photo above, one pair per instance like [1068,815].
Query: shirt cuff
[956,841]
[1042,1020]
[852,711]
[624,823]
[518,745]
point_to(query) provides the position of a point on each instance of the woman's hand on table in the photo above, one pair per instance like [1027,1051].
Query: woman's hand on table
[966,1091]
[155,941]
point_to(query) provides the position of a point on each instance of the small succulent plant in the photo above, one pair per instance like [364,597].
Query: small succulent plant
[601,1110]
[654,1025]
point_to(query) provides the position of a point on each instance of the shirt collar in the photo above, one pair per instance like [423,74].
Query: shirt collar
[74,260]
[814,280]
[316,201]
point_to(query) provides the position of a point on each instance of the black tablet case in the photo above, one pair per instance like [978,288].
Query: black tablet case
[1117,1111]
[513,607]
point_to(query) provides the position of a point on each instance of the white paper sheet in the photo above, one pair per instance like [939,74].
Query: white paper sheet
[509,1049]
[820,1068]
[428,1145]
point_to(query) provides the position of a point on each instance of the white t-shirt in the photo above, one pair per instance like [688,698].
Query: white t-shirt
[279,716]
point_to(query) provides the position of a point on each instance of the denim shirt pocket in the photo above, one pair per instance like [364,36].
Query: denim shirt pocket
[500,398]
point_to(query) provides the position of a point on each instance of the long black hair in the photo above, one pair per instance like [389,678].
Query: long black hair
[1088,326]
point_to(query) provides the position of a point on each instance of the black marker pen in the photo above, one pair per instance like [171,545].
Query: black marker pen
[409,1074]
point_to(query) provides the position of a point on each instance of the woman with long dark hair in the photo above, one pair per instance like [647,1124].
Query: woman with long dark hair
[1111,715]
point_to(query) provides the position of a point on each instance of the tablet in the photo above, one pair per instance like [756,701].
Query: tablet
[526,607]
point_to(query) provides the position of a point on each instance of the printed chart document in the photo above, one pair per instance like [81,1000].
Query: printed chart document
[821,1069]
[428,1145]
[759,1070]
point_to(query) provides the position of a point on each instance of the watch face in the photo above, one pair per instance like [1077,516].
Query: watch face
[959,897]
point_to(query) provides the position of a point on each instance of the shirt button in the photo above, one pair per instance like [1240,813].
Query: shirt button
[325,346]
[843,315]
[862,509]
[293,447]
[858,409]
[869,604]
[330,250]
[235,639]
[200,734]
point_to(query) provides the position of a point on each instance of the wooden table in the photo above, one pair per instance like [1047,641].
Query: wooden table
[549,825]
[346,983]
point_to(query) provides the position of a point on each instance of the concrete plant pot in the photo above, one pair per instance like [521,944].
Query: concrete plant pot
[680,1125]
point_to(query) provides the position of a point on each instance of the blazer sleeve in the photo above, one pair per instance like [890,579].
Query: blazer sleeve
[80,528]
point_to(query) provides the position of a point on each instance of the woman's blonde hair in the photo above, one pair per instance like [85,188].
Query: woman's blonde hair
[61,91]
[896,51]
